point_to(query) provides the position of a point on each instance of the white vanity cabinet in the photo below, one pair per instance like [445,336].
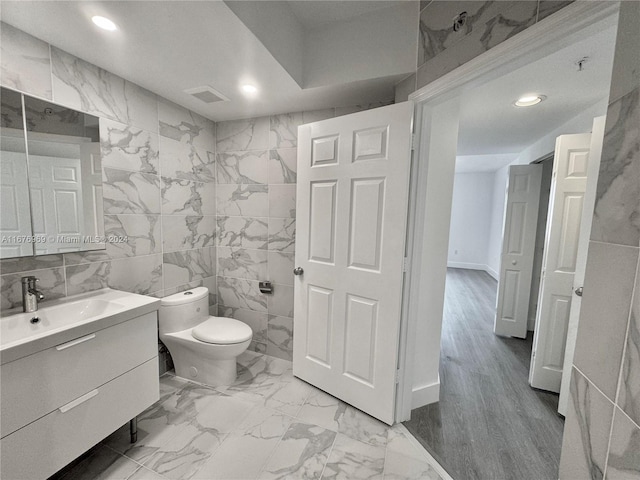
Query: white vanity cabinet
[58,402]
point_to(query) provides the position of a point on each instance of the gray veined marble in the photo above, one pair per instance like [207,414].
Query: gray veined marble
[243,167]
[142,275]
[87,277]
[282,234]
[90,89]
[182,125]
[283,165]
[629,389]
[189,265]
[242,135]
[302,453]
[181,232]
[242,263]
[184,161]
[547,7]
[243,200]
[246,232]
[245,451]
[436,26]
[586,434]
[354,460]
[128,148]
[281,301]
[623,461]
[329,412]
[256,320]
[241,293]
[280,337]
[51,283]
[284,130]
[141,232]
[24,264]
[282,201]
[184,197]
[617,212]
[496,23]
[130,192]
[281,265]
[25,64]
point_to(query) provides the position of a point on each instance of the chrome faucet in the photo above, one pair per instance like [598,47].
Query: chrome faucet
[30,295]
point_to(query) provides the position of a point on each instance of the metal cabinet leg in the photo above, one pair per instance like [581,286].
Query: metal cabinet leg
[133,429]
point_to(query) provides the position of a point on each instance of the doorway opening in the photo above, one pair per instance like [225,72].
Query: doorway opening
[489,422]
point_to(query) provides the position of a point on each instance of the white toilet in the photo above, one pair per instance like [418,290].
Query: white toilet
[203,348]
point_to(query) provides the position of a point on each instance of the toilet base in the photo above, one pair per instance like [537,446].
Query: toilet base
[213,365]
[215,373]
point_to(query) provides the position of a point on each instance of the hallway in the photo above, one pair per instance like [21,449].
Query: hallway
[489,424]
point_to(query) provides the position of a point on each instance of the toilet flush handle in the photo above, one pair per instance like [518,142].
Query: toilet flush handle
[298,271]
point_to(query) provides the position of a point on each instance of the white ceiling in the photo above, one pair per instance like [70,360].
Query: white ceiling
[313,14]
[483,163]
[490,124]
[171,46]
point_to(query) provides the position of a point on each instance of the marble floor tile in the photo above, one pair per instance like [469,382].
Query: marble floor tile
[267,425]
[301,454]
[401,467]
[329,412]
[354,460]
[101,463]
[245,452]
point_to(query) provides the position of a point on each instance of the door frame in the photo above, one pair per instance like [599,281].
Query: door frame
[436,107]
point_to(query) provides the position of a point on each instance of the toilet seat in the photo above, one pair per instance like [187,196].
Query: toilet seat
[222,331]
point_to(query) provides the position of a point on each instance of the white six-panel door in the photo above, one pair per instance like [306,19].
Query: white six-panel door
[518,248]
[570,168]
[595,153]
[352,198]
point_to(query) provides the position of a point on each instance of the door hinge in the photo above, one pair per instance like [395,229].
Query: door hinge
[414,141]
[397,376]
[405,264]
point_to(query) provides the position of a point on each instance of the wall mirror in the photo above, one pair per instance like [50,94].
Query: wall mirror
[51,178]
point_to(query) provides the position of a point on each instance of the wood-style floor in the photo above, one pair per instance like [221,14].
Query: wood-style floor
[489,424]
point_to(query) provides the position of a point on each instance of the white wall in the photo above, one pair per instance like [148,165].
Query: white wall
[470,220]
[381,36]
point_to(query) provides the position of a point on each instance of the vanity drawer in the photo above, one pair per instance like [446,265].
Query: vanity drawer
[46,380]
[48,444]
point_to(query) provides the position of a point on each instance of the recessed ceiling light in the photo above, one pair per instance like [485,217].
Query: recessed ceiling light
[249,89]
[529,100]
[104,23]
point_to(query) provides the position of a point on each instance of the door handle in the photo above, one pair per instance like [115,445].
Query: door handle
[298,271]
[578,291]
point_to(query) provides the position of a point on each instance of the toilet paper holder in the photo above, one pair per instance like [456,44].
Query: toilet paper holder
[266,287]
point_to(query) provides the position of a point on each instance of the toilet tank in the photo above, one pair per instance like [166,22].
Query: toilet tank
[183,310]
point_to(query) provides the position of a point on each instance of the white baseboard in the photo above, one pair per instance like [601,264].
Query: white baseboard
[492,272]
[468,266]
[474,266]
[425,395]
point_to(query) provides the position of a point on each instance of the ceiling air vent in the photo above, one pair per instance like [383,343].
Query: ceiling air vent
[206,94]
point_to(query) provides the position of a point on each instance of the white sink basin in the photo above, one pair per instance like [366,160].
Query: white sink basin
[62,320]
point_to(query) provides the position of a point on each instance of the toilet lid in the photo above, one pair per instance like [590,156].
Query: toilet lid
[222,330]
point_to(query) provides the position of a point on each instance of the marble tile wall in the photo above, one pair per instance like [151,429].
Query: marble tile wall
[441,49]
[158,181]
[602,429]
[256,195]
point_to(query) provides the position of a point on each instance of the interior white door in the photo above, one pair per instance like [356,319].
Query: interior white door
[56,202]
[568,186]
[595,153]
[15,217]
[352,200]
[518,249]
